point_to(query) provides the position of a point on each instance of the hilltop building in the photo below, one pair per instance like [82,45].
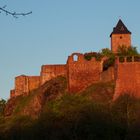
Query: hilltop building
[81,73]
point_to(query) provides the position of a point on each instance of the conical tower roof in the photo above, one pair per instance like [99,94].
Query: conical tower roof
[120,29]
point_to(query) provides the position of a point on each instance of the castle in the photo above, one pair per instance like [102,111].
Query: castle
[81,73]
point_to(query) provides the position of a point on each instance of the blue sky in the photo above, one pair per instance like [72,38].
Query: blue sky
[55,30]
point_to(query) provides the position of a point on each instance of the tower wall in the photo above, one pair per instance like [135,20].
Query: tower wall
[120,40]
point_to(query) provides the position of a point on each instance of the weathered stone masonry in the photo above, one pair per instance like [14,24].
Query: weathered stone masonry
[51,71]
[81,73]
[24,84]
[127,78]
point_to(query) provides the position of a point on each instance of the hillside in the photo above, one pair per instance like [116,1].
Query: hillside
[51,113]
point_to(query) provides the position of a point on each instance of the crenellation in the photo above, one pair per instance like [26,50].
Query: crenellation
[81,73]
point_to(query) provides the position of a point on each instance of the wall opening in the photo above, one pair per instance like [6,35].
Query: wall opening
[75,58]
[136,59]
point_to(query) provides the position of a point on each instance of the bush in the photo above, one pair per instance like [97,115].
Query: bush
[2,106]
[125,51]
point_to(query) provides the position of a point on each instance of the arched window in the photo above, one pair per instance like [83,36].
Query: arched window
[75,58]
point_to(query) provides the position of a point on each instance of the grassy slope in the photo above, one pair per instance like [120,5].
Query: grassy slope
[84,116]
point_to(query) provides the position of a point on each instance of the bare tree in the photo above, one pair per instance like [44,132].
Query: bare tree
[14,14]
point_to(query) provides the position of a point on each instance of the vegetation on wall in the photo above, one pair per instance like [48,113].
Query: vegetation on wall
[106,52]
[124,51]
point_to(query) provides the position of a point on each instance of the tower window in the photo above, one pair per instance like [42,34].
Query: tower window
[120,37]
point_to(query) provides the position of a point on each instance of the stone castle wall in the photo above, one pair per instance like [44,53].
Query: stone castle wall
[82,73]
[24,84]
[127,78]
[51,71]
[108,75]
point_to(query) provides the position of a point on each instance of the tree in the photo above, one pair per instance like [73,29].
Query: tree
[125,51]
[2,106]
[14,14]
[111,58]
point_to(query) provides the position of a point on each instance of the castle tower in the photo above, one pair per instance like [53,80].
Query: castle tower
[120,36]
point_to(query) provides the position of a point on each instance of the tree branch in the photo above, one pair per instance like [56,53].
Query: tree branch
[14,14]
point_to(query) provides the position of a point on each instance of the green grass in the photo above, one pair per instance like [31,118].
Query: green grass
[88,115]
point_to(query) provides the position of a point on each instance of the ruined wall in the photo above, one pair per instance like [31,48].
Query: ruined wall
[21,85]
[51,71]
[82,73]
[33,82]
[12,93]
[127,78]
[24,84]
[107,75]
[120,40]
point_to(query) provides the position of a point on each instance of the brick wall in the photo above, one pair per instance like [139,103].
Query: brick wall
[82,73]
[127,79]
[21,86]
[120,40]
[33,82]
[51,71]
[24,84]
[107,75]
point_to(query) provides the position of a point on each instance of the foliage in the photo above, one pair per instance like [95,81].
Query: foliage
[77,117]
[125,51]
[99,55]
[90,55]
[111,58]
[2,106]
[125,114]
[84,116]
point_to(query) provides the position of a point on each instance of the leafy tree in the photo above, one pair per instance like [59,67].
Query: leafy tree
[106,52]
[125,51]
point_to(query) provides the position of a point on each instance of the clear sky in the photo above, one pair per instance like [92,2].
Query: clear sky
[55,30]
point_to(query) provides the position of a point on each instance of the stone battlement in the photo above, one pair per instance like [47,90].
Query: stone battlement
[81,73]
[127,59]
[128,77]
